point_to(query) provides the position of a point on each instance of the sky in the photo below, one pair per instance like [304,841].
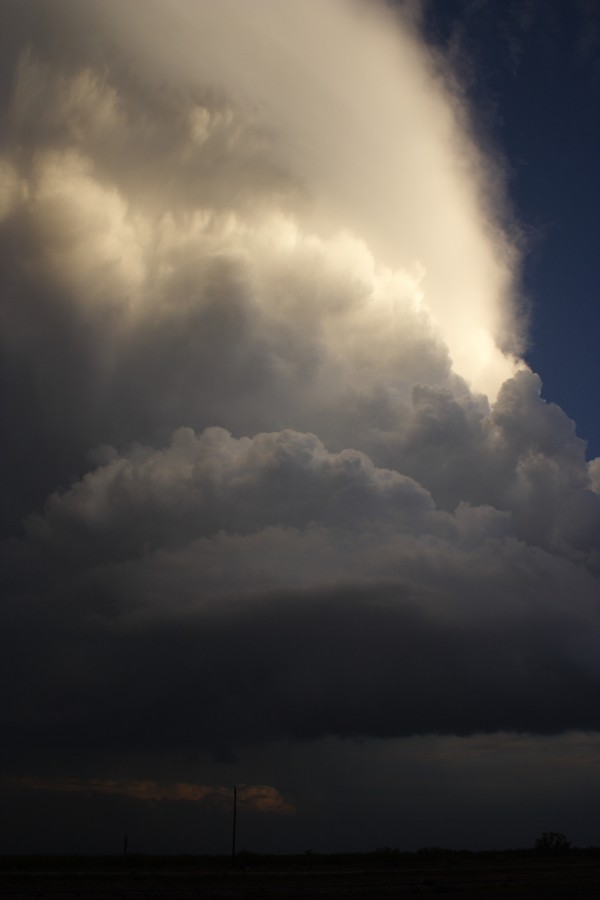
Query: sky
[532,71]
[300,469]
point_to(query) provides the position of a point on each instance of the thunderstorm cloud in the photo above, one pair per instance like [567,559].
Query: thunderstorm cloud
[273,465]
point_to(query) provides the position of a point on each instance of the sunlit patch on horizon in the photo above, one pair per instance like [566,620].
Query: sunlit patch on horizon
[262,798]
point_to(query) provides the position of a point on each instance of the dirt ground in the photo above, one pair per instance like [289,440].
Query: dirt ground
[516,878]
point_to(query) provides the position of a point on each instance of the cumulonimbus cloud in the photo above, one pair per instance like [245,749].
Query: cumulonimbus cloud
[272,452]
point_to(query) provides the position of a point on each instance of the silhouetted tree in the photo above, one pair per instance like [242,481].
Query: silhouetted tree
[552,843]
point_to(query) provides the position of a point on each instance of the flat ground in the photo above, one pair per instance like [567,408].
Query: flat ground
[515,876]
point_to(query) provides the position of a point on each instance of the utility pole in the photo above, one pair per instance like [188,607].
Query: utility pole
[234,823]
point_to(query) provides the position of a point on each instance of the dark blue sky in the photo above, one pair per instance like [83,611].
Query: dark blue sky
[532,70]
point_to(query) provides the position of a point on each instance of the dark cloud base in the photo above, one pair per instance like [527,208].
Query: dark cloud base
[347,663]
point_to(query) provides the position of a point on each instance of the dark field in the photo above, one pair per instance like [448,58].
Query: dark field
[518,874]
